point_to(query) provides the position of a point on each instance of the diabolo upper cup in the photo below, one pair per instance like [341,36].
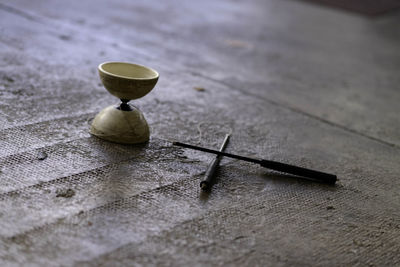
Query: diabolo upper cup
[127,81]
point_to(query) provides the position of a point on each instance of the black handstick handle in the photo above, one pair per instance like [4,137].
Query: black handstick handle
[207,183]
[300,171]
[210,174]
[212,167]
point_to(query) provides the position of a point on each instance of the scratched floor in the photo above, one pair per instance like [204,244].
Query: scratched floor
[295,82]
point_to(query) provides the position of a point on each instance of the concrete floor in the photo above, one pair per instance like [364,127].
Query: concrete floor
[295,82]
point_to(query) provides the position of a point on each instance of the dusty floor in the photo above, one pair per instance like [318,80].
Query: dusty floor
[296,82]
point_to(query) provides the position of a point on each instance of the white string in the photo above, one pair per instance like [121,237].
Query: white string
[203,123]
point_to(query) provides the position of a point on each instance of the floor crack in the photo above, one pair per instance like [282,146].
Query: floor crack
[18,12]
[296,110]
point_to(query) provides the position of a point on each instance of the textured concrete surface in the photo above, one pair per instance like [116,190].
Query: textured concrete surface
[295,82]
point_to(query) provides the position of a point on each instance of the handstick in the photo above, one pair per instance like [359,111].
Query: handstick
[212,167]
[273,165]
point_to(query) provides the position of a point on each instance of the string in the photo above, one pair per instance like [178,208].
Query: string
[200,132]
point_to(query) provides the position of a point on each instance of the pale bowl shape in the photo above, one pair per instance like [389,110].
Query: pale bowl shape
[124,127]
[126,80]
